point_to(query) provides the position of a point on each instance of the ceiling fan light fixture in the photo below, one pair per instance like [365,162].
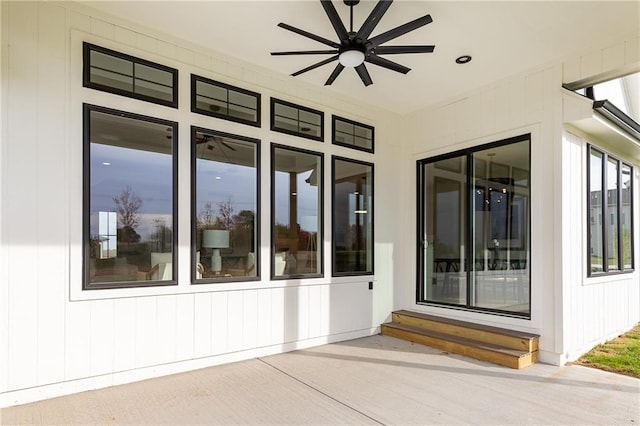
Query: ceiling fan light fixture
[351,58]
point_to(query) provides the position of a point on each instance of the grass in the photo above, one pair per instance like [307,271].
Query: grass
[620,355]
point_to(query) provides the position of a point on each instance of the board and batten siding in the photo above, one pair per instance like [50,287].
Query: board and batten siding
[570,312]
[57,339]
[602,307]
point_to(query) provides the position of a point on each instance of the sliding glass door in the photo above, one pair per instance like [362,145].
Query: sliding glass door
[474,222]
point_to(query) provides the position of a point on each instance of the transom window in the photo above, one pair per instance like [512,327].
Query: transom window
[125,75]
[610,208]
[351,134]
[297,120]
[224,101]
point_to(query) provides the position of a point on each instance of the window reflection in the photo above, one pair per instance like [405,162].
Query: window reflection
[225,206]
[297,212]
[352,217]
[129,199]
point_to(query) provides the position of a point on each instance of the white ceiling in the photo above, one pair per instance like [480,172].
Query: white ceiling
[503,37]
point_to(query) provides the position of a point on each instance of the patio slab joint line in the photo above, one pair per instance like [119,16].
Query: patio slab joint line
[320,392]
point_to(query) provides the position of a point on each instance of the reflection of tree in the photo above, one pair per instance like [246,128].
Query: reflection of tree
[240,225]
[127,205]
[162,236]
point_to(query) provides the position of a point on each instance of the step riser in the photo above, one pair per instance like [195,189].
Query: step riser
[471,352]
[528,345]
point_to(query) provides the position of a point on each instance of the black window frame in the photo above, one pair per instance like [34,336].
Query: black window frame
[320,246]
[606,157]
[194,213]
[86,198]
[335,118]
[196,78]
[274,128]
[86,75]
[468,238]
[335,158]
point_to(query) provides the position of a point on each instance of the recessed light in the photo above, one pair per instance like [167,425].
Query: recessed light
[464,59]
[106,163]
[218,178]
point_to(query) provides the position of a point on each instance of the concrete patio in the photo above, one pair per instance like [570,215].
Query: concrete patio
[374,380]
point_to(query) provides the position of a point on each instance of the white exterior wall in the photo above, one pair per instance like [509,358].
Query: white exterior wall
[599,308]
[570,312]
[57,339]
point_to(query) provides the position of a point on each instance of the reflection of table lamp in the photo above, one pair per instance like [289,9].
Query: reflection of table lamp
[215,239]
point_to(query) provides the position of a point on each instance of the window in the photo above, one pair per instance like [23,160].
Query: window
[474,227]
[296,203]
[129,199]
[296,120]
[126,75]
[352,217]
[224,206]
[221,100]
[610,214]
[351,134]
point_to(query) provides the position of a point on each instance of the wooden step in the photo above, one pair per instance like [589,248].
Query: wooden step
[481,333]
[463,346]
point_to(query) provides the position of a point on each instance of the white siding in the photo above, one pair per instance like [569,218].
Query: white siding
[598,308]
[55,338]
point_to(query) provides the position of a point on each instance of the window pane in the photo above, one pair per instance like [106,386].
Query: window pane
[297,213]
[130,200]
[352,217]
[596,237]
[211,91]
[111,63]
[146,73]
[501,228]
[612,213]
[626,217]
[445,231]
[226,206]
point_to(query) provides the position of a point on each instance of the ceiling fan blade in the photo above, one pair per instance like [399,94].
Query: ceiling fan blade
[336,72]
[364,75]
[314,66]
[305,52]
[394,50]
[226,145]
[398,31]
[338,26]
[385,63]
[372,20]
[309,35]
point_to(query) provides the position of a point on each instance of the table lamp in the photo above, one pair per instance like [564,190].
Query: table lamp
[215,239]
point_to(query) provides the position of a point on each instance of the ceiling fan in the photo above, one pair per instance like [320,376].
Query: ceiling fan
[355,48]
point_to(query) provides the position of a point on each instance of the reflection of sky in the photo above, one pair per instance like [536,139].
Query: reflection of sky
[307,199]
[221,182]
[149,174]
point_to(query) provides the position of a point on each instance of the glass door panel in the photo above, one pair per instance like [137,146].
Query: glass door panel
[444,231]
